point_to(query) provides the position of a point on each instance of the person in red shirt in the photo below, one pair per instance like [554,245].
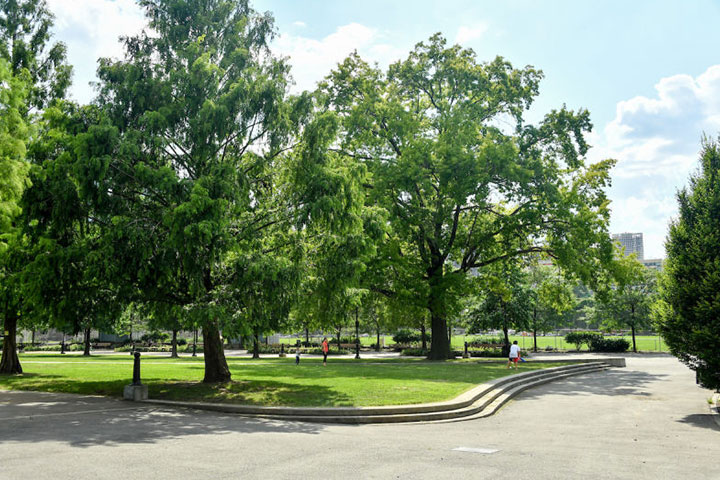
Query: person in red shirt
[325,350]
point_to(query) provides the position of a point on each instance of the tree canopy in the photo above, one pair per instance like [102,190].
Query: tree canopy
[465,180]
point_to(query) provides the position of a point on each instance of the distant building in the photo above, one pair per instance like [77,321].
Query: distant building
[631,243]
[654,263]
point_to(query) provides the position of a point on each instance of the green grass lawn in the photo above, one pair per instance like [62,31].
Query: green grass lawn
[645,343]
[344,382]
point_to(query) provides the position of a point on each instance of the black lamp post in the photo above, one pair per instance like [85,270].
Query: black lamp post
[136,370]
[357,335]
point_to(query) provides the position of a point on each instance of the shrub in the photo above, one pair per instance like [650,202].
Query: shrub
[181,341]
[481,342]
[603,344]
[407,337]
[581,338]
[414,352]
[188,348]
[157,337]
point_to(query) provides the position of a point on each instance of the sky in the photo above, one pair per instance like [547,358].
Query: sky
[648,71]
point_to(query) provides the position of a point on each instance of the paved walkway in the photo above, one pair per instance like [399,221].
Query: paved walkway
[648,420]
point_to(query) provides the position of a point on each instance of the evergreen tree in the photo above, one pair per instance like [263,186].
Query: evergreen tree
[689,309]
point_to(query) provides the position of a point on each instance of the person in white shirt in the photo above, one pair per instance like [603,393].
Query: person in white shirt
[514,355]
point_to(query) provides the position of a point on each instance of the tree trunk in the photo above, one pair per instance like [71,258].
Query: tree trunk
[339,332]
[439,343]
[632,327]
[256,344]
[307,335]
[194,354]
[10,362]
[32,338]
[535,330]
[216,367]
[377,345]
[174,353]
[86,352]
[423,335]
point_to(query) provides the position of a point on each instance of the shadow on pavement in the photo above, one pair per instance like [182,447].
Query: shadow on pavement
[610,382]
[703,420]
[82,421]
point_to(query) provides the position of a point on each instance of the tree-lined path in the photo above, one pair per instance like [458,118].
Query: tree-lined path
[648,420]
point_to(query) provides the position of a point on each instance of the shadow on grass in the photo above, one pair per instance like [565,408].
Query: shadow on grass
[250,392]
[81,421]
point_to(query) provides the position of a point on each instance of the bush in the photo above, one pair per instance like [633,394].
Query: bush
[487,352]
[189,348]
[582,338]
[603,344]
[414,352]
[407,337]
[156,337]
[143,348]
[181,341]
[481,342]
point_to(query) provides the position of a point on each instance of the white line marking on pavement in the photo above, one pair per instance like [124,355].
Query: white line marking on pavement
[475,450]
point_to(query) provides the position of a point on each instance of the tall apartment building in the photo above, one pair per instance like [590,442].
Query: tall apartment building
[632,242]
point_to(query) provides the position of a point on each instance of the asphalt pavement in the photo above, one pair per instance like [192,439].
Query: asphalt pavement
[648,420]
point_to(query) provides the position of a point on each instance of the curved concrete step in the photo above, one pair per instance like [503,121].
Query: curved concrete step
[469,404]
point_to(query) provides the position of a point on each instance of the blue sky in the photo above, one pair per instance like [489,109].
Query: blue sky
[648,71]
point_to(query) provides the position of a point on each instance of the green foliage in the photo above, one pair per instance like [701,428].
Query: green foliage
[582,338]
[13,137]
[598,343]
[689,309]
[407,337]
[25,42]
[414,352]
[627,303]
[461,193]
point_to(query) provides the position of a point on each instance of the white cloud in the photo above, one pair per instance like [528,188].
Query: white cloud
[467,34]
[656,141]
[91,30]
[312,59]
[299,24]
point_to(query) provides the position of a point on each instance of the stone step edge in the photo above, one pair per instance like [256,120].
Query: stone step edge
[463,400]
[503,397]
[473,411]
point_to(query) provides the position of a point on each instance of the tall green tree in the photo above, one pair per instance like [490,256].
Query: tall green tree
[197,158]
[467,183]
[33,74]
[26,43]
[627,304]
[13,181]
[689,310]
[551,296]
[505,302]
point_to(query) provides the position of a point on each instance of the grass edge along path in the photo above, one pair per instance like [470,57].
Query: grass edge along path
[270,382]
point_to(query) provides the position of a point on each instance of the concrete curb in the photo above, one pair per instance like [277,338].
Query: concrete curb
[467,404]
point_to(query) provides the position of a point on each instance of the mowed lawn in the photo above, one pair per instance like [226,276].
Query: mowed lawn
[343,382]
[645,343]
